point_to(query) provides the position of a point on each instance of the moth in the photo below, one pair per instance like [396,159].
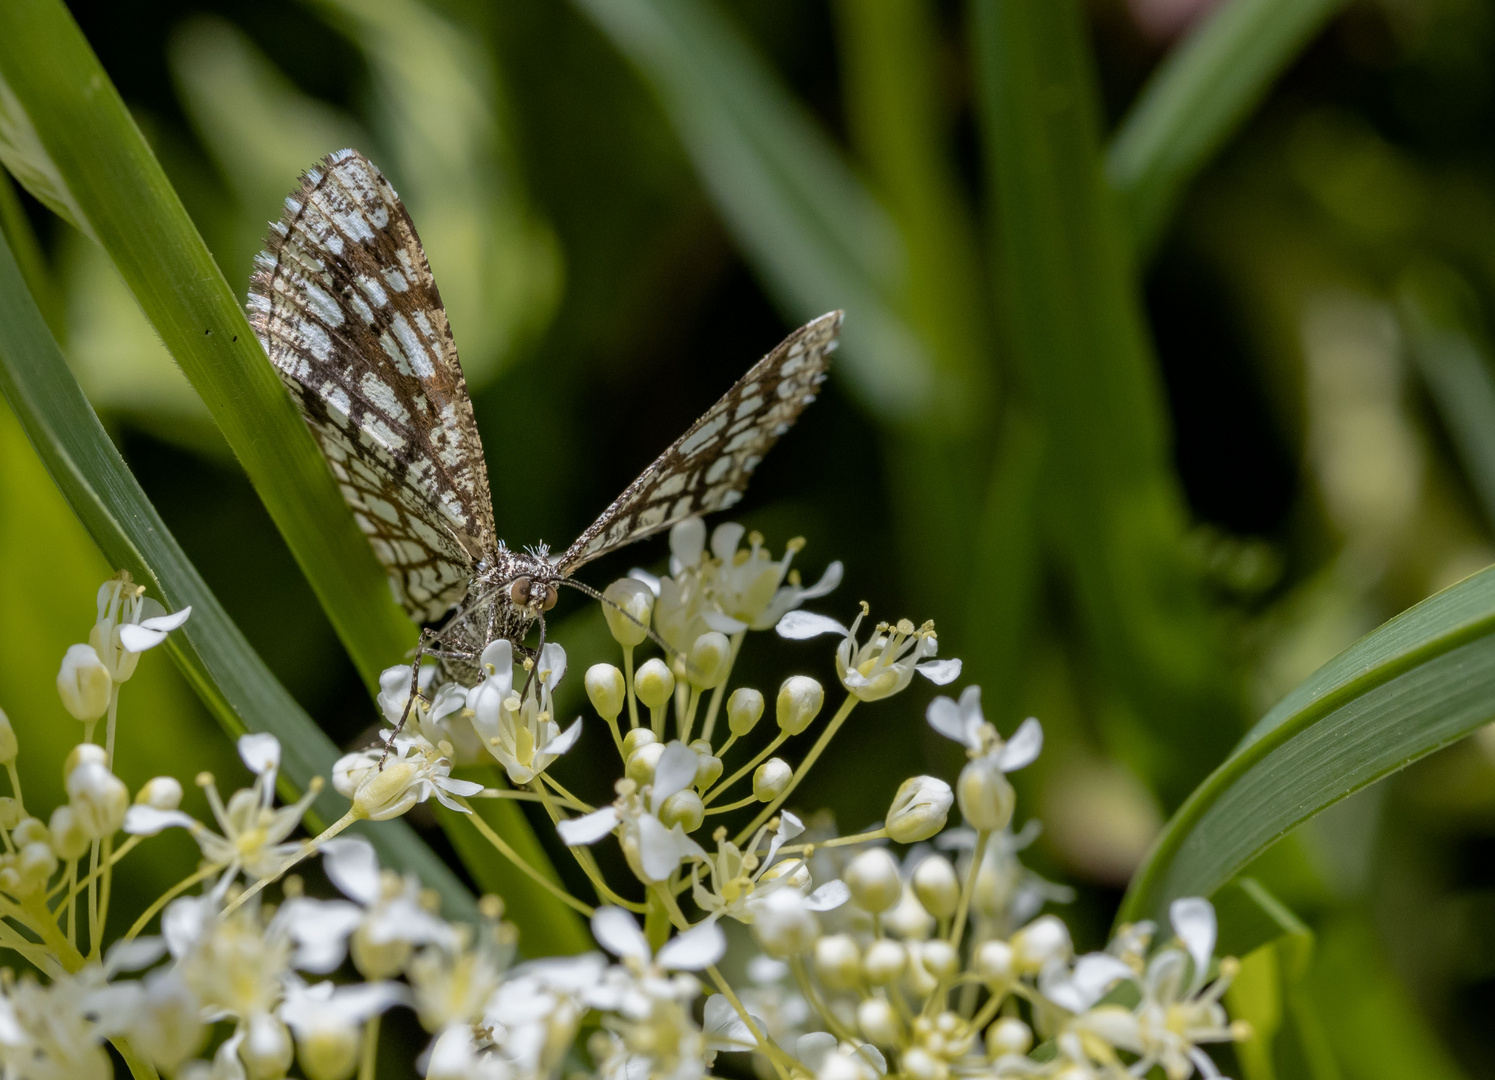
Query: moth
[344,303]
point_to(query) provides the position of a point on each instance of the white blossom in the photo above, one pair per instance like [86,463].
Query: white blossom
[885,663]
[521,734]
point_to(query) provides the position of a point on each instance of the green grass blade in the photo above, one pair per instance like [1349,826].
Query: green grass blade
[1075,326]
[1198,96]
[112,185]
[1421,681]
[219,663]
[804,219]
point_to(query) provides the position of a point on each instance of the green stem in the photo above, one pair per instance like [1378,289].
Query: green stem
[708,726]
[977,856]
[369,1055]
[628,682]
[165,898]
[778,741]
[513,856]
[140,1068]
[804,767]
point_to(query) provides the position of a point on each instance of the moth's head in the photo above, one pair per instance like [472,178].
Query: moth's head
[533,593]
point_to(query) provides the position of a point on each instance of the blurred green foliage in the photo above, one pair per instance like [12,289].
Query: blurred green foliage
[1167,376]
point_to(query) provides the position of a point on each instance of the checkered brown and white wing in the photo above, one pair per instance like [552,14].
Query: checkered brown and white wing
[344,303]
[709,466]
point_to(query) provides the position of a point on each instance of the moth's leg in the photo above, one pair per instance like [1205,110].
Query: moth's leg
[427,637]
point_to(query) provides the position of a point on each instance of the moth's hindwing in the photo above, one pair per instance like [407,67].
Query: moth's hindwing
[709,466]
[343,301]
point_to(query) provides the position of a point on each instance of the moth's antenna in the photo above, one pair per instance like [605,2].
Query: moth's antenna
[595,595]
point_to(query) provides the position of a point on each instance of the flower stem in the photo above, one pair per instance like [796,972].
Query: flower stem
[804,766]
[369,1055]
[15,785]
[708,726]
[140,1068]
[167,897]
[628,682]
[977,856]
[308,849]
[778,741]
[514,857]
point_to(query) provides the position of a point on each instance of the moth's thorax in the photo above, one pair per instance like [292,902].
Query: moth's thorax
[506,596]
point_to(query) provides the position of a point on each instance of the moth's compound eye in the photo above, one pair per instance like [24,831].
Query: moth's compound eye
[519,591]
[550,597]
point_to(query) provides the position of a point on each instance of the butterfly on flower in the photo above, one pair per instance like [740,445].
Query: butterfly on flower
[343,301]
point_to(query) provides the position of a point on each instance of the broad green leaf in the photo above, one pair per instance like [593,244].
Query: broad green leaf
[78,138]
[804,219]
[1201,92]
[1421,681]
[1073,318]
[1454,359]
[210,651]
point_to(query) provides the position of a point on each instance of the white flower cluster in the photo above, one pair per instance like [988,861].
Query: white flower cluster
[929,960]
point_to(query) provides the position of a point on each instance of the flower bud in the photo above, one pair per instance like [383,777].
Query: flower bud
[30,830]
[993,961]
[783,925]
[1008,1035]
[873,880]
[35,865]
[636,740]
[606,690]
[9,745]
[708,765]
[98,798]
[920,1064]
[385,793]
[939,958]
[908,919]
[383,958]
[91,753]
[161,792]
[629,626]
[10,812]
[69,840]
[266,1049]
[744,710]
[937,886]
[884,962]
[167,1028]
[645,760]
[684,808]
[771,779]
[1045,938]
[879,1022]
[329,1051]
[84,683]
[917,977]
[800,699]
[654,683]
[838,962]
[919,809]
[709,661]
[986,797]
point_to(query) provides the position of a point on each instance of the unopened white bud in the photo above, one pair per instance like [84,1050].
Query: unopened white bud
[1044,939]
[267,1049]
[986,797]
[708,765]
[30,830]
[629,626]
[684,808]
[920,1064]
[606,690]
[744,710]
[9,745]
[771,779]
[645,760]
[919,978]
[1008,1035]
[884,961]
[10,812]
[68,838]
[939,959]
[654,683]
[329,1051]
[800,699]
[709,660]
[919,810]
[385,793]
[908,919]
[160,792]
[840,1064]
[84,683]
[783,925]
[879,1022]
[873,880]
[937,886]
[89,753]
[636,739]
[99,799]
[35,864]
[167,1027]
[993,961]
[838,961]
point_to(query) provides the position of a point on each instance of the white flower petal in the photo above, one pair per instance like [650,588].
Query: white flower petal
[828,583]
[148,821]
[647,578]
[463,788]
[167,622]
[687,543]
[136,638]
[814,1048]
[829,896]
[552,664]
[134,955]
[1193,919]
[589,828]
[725,538]
[940,672]
[789,827]
[260,752]
[944,716]
[618,933]
[658,852]
[799,625]
[725,1028]
[565,740]
[1023,748]
[350,864]
[723,624]
[696,949]
[675,771]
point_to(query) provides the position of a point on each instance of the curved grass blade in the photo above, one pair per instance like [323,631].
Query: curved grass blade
[1198,96]
[1423,680]
[211,652]
[52,86]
